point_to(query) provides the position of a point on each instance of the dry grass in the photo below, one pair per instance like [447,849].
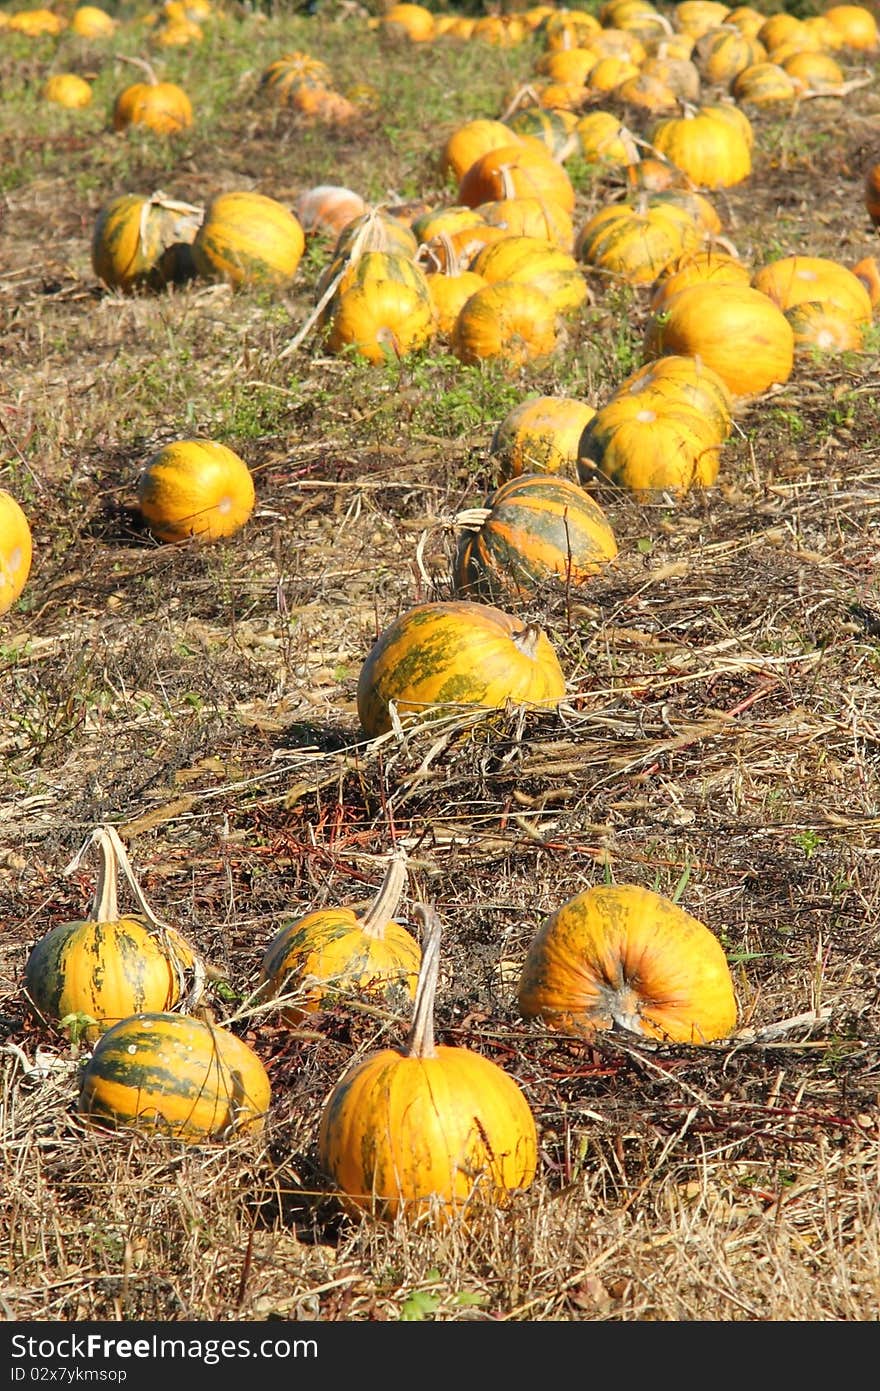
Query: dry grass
[720,741]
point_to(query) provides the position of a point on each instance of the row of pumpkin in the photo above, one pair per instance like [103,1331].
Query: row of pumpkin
[419,1129]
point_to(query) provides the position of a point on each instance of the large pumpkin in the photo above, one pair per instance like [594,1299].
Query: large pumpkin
[793,280]
[16,550]
[534,530]
[248,238]
[337,953]
[510,320]
[443,655]
[620,956]
[174,1075]
[140,241]
[735,329]
[427,1131]
[711,150]
[636,242]
[646,444]
[102,968]
[195,488]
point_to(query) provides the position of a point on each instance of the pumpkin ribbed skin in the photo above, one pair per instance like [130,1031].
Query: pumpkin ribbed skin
[381,319]
[710,151]
[764,84]
[678,382]
[162,107]
[455,653]
[522,170]
[426,1132]
[553,128]
[822,327]
[735,329]
[248,238]
[536,262]
[793,280]
[636,243]
[106,970]
[540,435]
[367,269]
[704,266]
[539,529]
[16,550]
[645,446]
[623,956]
[176,1076]
[471,140]
[605,140]
[283,77]
[132,235]
[530,217]
[509,320]
[195,488]
[400,1136]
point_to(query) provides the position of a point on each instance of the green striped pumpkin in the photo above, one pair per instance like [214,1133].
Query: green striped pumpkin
[174,1075]
[248,238]
[290,73]
[442,655]
[646,446]
[636,243]
[136,241]
[553,127]
[533,530]
[371,266]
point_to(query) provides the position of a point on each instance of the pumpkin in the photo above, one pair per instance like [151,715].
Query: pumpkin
[90,22]
[712,152]
[868,272]
[618,956]
[530,217]
[368,268]
[704,266]
[647,443]
[569,28]
[195,488]
[523,170]
[408,21]
[635,242]
[510,320]
[722,53]
[286,76]
[134,239]
[533,530]
[735,329]
[450,291]
[446,654]
[648,92]
[764,84]
[109,965]
[697,16]
[428,1131]
[537,262]
[872,194]
[471,140]
[324,209]
[174,1075]
[16,550]
[747,19]
[682,383]
[554,128]
[609,72]
[375,230]
[855,26]
[36,22]
[68,89]
[248,239]
[562,65]
[791,280]
[335,954]
[814,71]
[540,435]
[606,141]
[163,107]
[821,326]
[381,319]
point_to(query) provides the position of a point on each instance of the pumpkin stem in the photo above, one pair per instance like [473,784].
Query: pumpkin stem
[472,517]
[145,67]
[105,903]
[527,640]
[384,904]
[420,1039]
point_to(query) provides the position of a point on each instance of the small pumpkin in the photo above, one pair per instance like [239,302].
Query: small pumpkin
[195,488]
[540,435]
[135,241]
[163,107]
[91,22]
[335,954]
[606,141]
[735,329]
[533,530]
[381,319]
[855,26]
[622,957]
[426,1132]
[284,77]
[437,656]
[109,965]
[16,550]
[248,238]
[174,1075]
[68,89]
[450,291]
[324,209]
[821,326]
[510,320]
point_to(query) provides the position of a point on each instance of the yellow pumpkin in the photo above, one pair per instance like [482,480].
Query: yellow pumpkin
[336,954]
[68,89]
[540,435]
[381,319]
[90,22]
[138,241]
[537,262]
[510,321]
[650,442]
[446,655]
[823,327]
[706,265]
[248,238]
[449,292]
[792,280]
[855,26]
[735,329]
[427,1132]
[635,242]
[620,956]
[109,965]
[764,84]
[174,1076]
[713,152]
[16,550]
[530,217]
[606,141]
[195,488]
[522,170]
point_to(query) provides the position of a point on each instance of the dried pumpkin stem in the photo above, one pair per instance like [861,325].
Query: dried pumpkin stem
[472,517]
[527,639]
[145,67]
[420,1039]
[387,898]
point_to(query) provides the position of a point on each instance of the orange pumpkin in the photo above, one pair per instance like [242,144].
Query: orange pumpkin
[195,488]
[540,435]
[735,329]
[712,151]
[511,321]
[523,170]
[792,280]
[620,956]
[247,238]
[163,107]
